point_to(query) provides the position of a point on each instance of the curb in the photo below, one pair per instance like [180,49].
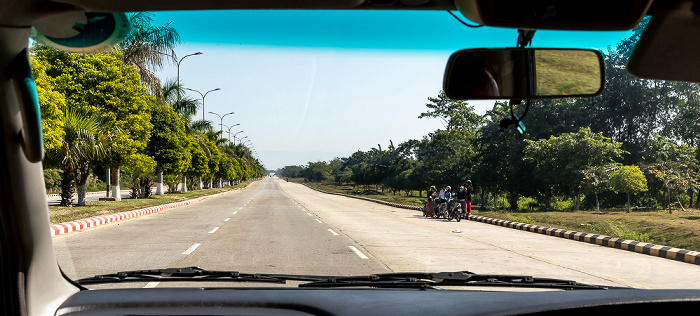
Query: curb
[67,227]
[661,251]
[86,193]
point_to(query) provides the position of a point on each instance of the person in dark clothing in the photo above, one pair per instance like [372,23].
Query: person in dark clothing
[468,190]
[462,197]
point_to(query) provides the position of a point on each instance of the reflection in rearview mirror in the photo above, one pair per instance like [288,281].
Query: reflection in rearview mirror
[523,73]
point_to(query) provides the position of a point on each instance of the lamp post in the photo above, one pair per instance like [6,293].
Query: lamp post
[203,96]
[229,131]
[159,181]
[180,61]
[221,120]
[239,140]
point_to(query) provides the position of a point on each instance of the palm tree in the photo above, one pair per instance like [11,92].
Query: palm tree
[85,141]
[173,95]
[147,46]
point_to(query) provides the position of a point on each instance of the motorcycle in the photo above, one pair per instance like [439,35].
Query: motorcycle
[443,209]
[455,212]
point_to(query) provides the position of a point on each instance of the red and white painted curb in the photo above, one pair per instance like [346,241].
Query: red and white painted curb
[64,228]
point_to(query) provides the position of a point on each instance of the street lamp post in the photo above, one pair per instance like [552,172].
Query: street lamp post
[203,96]
[221,120]
[229,131]
[159,181]
[239,140]
[179,61]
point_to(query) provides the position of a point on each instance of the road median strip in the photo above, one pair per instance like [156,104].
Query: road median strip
[661,251]
[67,227]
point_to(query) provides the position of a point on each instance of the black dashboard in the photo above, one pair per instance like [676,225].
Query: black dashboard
[285,301]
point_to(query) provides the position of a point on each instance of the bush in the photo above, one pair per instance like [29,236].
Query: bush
[621,231]
[562,204]
[528,204]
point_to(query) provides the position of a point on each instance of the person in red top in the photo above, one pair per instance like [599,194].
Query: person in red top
[468,189]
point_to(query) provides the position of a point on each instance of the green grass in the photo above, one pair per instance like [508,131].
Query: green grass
[567,72]
[61,214]
[678,229]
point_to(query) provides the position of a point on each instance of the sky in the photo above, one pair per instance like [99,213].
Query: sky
[310,86]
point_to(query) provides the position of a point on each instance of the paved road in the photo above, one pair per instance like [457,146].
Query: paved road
[91,196]
[279,227]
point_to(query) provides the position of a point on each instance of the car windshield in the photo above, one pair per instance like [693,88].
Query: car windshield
[322,143]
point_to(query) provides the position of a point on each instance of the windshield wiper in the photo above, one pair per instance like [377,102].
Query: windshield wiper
[383,280]
[186,275]
[442,279]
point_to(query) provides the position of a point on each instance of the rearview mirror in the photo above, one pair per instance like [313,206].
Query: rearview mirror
[523,73]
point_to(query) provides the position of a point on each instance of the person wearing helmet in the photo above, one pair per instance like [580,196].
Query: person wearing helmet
[468,189]
[430,203]
[448,193]
[462,197]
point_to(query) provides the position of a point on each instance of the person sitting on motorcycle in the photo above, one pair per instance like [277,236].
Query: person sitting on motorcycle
[462,197]
[448,194]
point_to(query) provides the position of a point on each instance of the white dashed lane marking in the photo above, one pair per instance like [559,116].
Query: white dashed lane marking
[191,249]
[358,253]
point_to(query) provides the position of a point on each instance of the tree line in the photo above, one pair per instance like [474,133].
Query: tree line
[109,111]
[633,145]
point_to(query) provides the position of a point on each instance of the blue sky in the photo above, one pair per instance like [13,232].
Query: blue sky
[314,85]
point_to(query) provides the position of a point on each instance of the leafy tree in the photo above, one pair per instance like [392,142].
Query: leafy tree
[168,142]
[674,165]
[291,171]
[454,114]
[138,167]
[564,159]
[628,180]
[102,85]
[596,179]
[200,161]
[50,102]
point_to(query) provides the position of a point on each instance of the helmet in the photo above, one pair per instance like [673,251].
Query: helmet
[448,188]
[468,182]
[432,187]
[461,188]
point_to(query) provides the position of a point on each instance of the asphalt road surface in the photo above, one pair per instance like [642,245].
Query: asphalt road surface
[278,227]
[91,196]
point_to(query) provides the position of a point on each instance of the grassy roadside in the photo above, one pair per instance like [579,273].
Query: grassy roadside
[59,214]
[679,229]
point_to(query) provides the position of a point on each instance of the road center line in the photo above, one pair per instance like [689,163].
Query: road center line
[191,249]
[227,218]
[309,214]
[318,220]
[214,230]
[234,213]
[358,253]
[332,232]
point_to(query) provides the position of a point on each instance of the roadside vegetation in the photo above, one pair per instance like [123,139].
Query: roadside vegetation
[107,120]
[624,163]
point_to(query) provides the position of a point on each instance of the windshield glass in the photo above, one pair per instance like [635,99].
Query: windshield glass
[321,143]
